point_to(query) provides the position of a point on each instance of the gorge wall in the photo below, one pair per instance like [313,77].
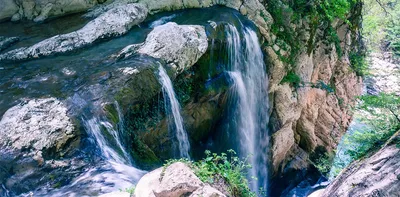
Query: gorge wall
[306,120]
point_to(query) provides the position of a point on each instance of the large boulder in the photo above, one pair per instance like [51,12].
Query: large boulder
[32,134]
[40,10]
[175,180]
[114,22]
[180,46]
[378,175]
[7,9]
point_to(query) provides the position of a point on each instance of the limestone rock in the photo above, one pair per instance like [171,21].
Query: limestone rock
[114,22]
[7,42]
[36,127]
[378,175]
[180,46]
[176,180]
[30,134]
[7,9]
[207,191]
[116,194]
[40,10]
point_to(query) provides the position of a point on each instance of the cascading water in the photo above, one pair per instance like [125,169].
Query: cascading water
[94,126]
[249,100]
[172,106]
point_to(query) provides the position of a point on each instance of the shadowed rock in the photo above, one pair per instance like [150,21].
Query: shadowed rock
[7,42]
[114,22]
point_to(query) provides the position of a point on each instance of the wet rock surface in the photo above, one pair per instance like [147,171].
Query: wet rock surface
[7,42]
[175,180]
[114,22]
[377,175]
[40,10]
[33,135]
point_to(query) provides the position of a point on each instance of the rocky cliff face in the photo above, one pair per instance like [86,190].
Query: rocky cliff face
[310,120]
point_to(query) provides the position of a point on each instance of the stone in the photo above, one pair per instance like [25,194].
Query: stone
[116,194]
[100,9]
[373,176]
[114,22]
[37,125]
[175,180]
[7,9]
[44,14]
[207,191]
[30,134]
[6,42]
[180,46]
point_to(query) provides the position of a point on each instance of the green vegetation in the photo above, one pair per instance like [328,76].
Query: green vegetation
[381,25]
[293,79]
[320,15]
[359,64]
[322,160]
[230,169]
[130,190]
[380,113]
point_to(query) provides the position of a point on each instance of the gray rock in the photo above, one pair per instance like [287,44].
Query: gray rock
[7,9]
[175,180]
[36,127]
[30,134]
[373,176]
[98,10]
[180,46]
[207,191]
[7,42]
[114,22]
[39,10]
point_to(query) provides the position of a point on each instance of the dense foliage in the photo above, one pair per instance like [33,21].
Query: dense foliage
[380,115]
[229,169]
[381,25]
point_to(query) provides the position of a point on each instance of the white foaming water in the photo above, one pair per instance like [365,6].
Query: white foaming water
[251,107]
[172,106]
[94,126]
[162,21]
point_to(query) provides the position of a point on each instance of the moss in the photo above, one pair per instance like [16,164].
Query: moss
[111,113]
[292,78]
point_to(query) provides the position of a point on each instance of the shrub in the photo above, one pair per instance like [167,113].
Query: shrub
[359,64]
[292,78]
[230,168]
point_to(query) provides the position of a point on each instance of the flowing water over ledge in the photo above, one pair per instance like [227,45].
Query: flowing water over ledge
[235,58]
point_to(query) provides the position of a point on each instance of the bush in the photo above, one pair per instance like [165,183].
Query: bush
[359,64]
[230,168]
[292,78]
[379,115]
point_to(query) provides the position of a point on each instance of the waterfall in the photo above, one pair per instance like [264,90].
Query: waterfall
[172,106]
[96,127]
[249,100]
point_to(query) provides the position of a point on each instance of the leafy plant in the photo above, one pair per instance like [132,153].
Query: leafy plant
[130,190]
[324,163]
[380,116]
[292,78]
[229,168]
[359,64]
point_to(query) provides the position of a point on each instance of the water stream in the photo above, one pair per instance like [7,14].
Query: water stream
[96,128]
[249,100]
[173,108]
